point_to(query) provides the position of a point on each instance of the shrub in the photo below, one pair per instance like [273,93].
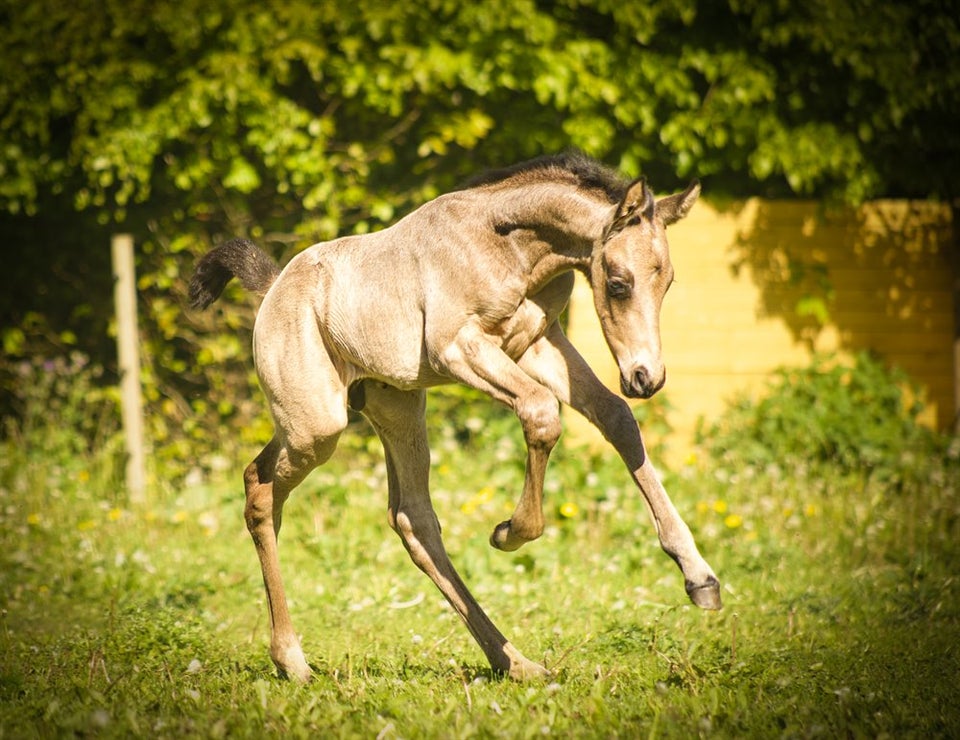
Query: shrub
[859,417]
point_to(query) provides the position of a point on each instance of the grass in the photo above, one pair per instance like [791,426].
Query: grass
[841,618]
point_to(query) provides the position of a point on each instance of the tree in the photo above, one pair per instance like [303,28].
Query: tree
[290,121]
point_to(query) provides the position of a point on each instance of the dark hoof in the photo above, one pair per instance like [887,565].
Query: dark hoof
[705,595]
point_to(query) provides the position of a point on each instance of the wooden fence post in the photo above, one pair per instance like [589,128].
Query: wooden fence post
[125,302]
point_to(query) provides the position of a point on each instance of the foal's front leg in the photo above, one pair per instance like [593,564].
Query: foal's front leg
[557,364]
[479,363]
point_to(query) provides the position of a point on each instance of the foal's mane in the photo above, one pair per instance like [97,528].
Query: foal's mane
[573,166]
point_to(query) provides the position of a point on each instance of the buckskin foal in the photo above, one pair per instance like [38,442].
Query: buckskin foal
[468,288]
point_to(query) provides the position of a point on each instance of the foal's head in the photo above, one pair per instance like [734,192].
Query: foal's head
[630,274]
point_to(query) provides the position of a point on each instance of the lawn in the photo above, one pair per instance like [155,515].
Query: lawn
[841,616]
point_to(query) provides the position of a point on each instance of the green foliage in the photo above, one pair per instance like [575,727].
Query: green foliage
[291,122]
[355,109]
[857,417]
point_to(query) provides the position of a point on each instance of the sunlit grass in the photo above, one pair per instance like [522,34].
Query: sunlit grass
[842,606]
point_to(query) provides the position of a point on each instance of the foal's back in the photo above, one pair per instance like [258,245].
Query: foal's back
[387,303]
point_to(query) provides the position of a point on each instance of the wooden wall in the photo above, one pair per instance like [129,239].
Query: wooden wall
[764,284]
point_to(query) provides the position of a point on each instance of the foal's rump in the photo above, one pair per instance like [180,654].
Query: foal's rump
[306,389]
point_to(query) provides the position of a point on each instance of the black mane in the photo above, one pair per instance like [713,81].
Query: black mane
[586,171]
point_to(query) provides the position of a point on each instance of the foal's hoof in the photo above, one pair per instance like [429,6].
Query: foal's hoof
[528,671]
[705,595]
[292,665]
[522,668]
[503,538]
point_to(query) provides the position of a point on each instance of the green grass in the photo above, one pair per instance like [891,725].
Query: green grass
[841,618]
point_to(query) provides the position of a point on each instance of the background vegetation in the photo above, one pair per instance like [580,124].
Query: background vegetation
[186,123]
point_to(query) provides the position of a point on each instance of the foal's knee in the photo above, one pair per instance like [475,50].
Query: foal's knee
[540,417]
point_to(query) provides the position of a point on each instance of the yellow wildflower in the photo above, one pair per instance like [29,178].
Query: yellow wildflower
[114,514]
[33,519]
[720,506]
[733,521]
[481,497]
[86,525]
[568,510]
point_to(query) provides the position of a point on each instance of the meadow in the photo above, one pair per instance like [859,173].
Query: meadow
[840,583]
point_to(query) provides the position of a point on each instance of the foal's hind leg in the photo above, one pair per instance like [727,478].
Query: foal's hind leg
[398,418]
[268,481]
[308,405]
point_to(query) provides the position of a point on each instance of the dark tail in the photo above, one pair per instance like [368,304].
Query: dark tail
[237,258]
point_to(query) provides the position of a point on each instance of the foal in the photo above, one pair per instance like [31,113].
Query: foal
[468,288]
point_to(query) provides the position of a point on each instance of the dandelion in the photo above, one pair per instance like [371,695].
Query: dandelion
[33,520]
[180,517]
[733,521]
[810,510]
[702,507]
[568,510]
[720,506]
[115,514]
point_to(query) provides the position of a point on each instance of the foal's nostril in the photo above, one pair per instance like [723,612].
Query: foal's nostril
[641,380]
[644,385]
[641,383]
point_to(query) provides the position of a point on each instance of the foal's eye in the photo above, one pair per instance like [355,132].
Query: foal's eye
[618,288]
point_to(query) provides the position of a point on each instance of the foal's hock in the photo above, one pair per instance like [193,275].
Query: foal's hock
[468,288]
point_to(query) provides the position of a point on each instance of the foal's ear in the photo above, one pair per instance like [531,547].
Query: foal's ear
[637,202]
[674,207]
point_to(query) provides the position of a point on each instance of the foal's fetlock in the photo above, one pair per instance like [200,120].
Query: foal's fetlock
[506,537]
[706,595]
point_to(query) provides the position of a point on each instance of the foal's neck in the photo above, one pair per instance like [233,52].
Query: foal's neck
[556,226]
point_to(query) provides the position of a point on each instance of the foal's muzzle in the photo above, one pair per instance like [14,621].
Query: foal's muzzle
[641,384]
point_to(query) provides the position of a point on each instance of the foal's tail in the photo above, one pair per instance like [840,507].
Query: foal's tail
[237,258]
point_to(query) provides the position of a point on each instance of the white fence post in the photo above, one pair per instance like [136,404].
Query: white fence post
[128,346]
